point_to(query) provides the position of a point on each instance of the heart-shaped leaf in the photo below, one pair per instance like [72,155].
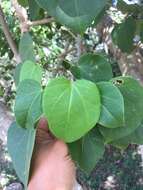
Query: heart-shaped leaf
[26,48]
[87,151]
[30,70]
[20,146]
[112,105]
[74,13]
[93,67]
[123,35]
[72,108]
[132,93]
[28,103]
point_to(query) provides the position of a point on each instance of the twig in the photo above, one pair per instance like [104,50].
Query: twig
[79,45]
[8,36]
[69,32]
[40,22]
[63,55]
[22,15]
[67,50]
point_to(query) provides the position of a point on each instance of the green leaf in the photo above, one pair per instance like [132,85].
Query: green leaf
[26,48]
[132,93]
[123,35]
[20,146]
[128,8]
[93,67]
[100,16]
[28,103]
[34,9]
[17,74]
[137,136]
[72,108]
[141,32]
[30,70]
[134,138]
[112,105]
[24,3]
[1,92]
[121,143]
[87,151]
[74,14]
[27,70]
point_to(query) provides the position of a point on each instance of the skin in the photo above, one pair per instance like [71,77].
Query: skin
[52,167]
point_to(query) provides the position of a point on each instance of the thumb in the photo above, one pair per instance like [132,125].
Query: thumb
[43,134]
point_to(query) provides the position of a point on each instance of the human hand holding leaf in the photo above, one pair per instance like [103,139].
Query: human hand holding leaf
[51,166]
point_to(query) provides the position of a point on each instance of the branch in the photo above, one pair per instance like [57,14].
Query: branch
[67,50]
[8,36]
[22,16]
[40,22]
[79,45]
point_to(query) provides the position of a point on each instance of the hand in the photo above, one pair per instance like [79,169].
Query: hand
[52,167]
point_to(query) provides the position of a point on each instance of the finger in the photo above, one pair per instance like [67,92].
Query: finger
[43,124]
[43,135]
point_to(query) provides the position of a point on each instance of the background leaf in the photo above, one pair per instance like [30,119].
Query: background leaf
[112,105]
[128,8]
[1,92]
[72,108]
[34,10]
[74,14]
[28,103]
[93,67]
[31,70]
[24,3]
[26,49]
[141,32]
[88,150]
[20,146]
[17,74]
[123,35]
[134,138]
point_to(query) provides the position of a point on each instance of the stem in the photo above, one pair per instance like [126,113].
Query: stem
[40,22]
[8,36]
[22,16]
[79,45]
[67,50]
